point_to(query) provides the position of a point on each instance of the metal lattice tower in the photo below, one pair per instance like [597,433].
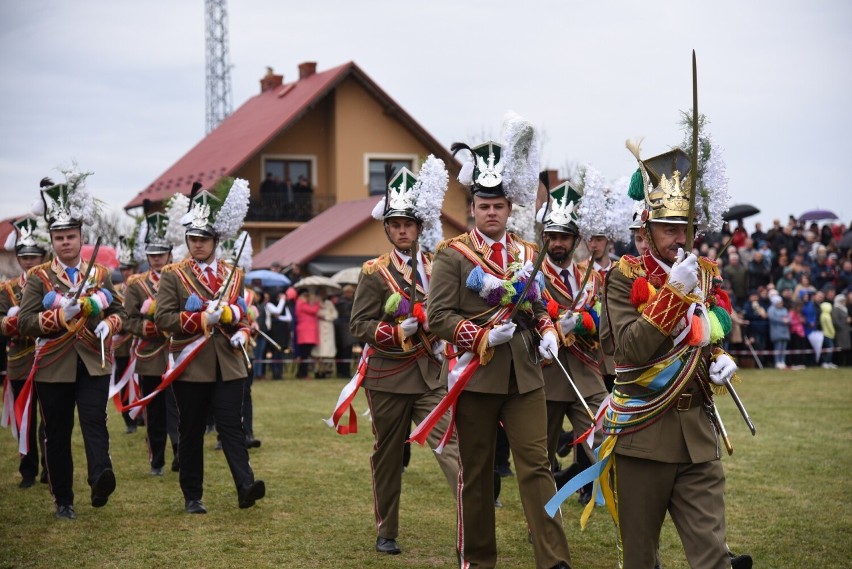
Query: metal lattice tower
[218,97]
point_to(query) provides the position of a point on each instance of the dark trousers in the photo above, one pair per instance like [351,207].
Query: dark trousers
[248,408]
[225,400]
[303,351]
[280,332]
[156,419]
[57,401]
[344,361]
[29,462]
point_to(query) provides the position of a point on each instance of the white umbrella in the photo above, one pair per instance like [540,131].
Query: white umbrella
[347,276]
[317,281]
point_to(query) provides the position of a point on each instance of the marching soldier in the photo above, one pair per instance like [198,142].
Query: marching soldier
[30,250]
[200,303]
[667,315]
[71,307]
[571,294]
[121,342]
[476,281]
[403,379]
[150,347]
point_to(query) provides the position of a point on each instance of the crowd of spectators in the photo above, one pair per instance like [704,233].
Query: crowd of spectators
[307,328]
[790,287]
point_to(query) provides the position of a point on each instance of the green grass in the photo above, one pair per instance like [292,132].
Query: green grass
[788,494]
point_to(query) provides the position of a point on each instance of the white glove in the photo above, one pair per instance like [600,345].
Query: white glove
[102,330]
[70,308]
[438,350]
[214,317]
[13,311]
[238,339]
[684,274]
[409,326]
[501,334]
[722,369]
[569,322]
[548,348]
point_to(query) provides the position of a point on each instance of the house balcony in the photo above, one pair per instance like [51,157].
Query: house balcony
[296,208]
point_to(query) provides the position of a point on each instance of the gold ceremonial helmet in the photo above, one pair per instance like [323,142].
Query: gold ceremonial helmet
[666,185]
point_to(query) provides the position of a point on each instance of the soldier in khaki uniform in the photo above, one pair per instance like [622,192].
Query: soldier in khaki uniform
[403,379]
[122,341]
[206,315]
[72,362]
[664,434]
[468,302]
[150,347]
[30,251]
[571,303]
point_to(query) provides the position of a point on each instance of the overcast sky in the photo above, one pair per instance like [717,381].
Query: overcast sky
[119,86]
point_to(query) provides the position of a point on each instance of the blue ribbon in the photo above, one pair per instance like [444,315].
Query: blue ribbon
[589,475]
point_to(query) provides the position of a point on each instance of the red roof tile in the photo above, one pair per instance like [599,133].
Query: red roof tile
[248,129]
[309,240]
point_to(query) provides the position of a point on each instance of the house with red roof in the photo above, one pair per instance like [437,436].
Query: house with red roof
[314,152]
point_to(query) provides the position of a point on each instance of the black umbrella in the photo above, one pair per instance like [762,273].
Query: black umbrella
[740,211]
[846,240]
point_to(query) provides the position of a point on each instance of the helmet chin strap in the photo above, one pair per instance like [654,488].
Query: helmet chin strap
[651,244]
[416,237]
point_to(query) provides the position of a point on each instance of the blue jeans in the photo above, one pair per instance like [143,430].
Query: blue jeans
[827,354]
[780,348]
[259,354]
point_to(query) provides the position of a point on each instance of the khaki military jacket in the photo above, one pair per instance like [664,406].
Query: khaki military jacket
[396,366]
[178,282]
[463,318]
[122,341]
[151,345]
[580,355]
[686,436]
[21,348]
[65,342]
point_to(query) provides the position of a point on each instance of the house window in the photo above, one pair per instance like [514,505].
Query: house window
[378,182]
[283,171]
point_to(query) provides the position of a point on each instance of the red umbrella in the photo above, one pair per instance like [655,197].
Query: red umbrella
[106,255]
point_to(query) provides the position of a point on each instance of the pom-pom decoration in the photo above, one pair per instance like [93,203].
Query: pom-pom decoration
[194,303]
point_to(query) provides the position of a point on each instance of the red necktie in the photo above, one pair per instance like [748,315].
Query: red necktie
[212,281]
[496,255]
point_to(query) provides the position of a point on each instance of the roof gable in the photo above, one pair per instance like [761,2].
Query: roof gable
[260,119]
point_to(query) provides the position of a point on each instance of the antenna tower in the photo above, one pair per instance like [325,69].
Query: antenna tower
[218,97]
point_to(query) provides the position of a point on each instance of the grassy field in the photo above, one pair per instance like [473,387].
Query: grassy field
[788,494]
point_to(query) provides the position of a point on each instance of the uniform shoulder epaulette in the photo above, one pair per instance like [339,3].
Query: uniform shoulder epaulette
[174,266]
[38,268]
[371,266]
[631,267]
[709,265]
[136,278]
[463,238]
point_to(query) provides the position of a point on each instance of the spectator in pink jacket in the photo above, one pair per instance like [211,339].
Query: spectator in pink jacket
[307,329]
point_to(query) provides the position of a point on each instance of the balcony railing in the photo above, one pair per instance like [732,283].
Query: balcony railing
[282,208]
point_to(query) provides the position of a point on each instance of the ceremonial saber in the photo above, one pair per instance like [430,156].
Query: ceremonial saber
[573,385]
[413,291]
[542,177]
[693,173]
[724,433]
[89,268]
[245,355]
[747,342]
[103,355]
[270,340]
[740,406]
[224,289]
[583,284]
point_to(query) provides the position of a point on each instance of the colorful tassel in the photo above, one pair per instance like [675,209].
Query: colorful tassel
[48,300]
[227,315]
[392,303]
[475,279]
[403,308]
[636,190]
[639,292]
[696,332]
[418,312]
[553,309]
[716,332]
[724,319]
[194,303]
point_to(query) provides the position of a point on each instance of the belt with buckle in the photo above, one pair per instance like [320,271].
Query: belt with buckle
[684,402]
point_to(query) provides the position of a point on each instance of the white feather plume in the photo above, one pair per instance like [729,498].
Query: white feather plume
[466,173]
[522,221]
[175,229]
[379,210]
[11,240]
[520,160]
[231,215]
[141,234]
